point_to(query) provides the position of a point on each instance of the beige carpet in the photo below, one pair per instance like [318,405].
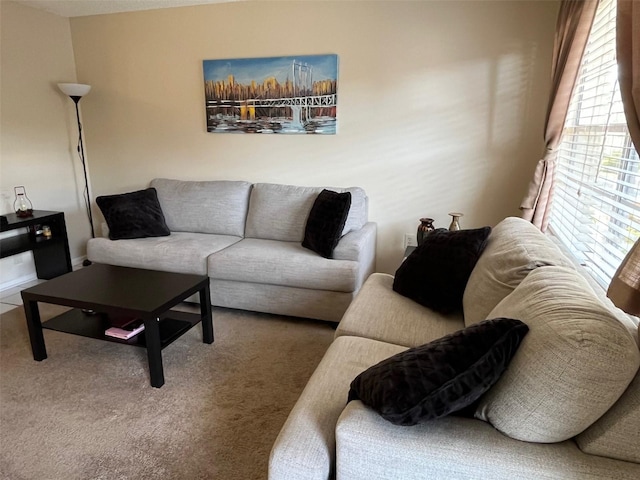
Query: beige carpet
[89,412]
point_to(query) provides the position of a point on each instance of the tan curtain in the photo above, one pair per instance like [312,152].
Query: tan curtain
[624,289]
[572,31]
[628,53]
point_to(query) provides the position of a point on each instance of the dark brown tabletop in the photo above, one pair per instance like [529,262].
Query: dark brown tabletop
[131,289]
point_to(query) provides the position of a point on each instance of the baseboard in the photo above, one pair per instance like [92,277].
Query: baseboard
[16,282]
[76,263]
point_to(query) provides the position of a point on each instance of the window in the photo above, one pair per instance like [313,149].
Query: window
[595,211]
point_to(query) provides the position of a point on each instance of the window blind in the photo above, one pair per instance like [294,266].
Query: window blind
[595,211]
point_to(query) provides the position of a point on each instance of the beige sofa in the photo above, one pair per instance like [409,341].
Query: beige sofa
[568,406]
[247,238]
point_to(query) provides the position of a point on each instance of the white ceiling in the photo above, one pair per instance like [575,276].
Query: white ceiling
[81,8]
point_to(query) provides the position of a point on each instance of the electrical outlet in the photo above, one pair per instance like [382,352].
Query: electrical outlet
[410,240]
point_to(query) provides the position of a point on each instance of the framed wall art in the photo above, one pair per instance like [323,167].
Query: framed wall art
[275,95]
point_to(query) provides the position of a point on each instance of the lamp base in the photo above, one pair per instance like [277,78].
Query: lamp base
[24,213]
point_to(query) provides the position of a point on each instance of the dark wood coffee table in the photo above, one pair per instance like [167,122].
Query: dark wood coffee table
[106,290]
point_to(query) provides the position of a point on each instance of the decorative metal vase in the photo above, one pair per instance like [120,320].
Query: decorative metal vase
[425,227]
[455,221]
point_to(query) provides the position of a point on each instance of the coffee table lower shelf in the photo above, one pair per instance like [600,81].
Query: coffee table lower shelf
[172,326]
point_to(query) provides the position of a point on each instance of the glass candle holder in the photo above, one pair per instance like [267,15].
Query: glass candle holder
[22,205]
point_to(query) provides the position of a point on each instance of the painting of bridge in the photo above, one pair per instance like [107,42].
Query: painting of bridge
[294,94]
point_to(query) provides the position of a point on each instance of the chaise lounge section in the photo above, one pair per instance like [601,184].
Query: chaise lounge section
[567,407]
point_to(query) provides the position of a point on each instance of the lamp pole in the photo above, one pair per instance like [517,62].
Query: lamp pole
[76,91]
[87,198]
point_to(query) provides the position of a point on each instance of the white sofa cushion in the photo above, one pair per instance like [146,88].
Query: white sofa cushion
[180,252]
[305,447]
[218,207]
[617,433]
[574,364]
[359,211]
[370,448]
[291,205]
[379,313]
[514,248]
[283,263]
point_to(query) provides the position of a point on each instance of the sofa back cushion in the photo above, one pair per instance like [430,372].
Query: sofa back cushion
[218,207]
[279,212]
[617,433]
[514,248]
[574,364]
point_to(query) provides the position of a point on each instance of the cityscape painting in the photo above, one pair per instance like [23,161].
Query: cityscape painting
[292,95]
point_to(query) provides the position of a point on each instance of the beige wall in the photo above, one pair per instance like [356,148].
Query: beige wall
[38,127]
[441,104]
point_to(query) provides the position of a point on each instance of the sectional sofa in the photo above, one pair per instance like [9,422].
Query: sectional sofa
[567,407]
[247,238]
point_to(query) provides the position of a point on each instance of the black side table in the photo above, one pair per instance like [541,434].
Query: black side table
[50,254]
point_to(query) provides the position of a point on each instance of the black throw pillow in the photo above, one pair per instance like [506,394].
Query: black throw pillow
[133,215]
[441,377]
[326,222]
[435,274]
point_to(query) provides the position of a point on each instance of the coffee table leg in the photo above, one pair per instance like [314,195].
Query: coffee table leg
[154,351]
[205,313]
[35,330]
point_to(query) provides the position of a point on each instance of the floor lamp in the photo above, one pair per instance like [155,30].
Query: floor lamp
[76,91]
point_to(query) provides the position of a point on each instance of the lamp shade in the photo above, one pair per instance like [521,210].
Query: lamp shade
[624,289]
[74,89]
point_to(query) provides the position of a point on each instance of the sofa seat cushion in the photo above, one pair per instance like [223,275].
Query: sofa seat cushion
[180,252]
[574,364]
[280,212]
[282,263]
[305,447]
[370,448]
[218,206]
[514,248]
[379,313]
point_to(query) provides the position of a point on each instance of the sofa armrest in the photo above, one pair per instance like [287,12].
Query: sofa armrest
[305,447]
[371,448]
[359,246]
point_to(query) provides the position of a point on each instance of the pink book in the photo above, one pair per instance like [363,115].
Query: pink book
[127,331]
